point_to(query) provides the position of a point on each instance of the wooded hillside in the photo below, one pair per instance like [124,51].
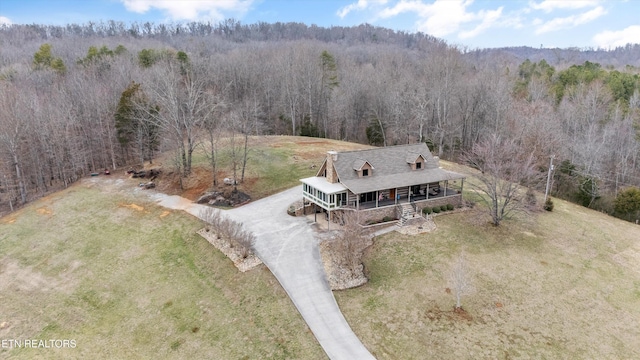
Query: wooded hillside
[81,98]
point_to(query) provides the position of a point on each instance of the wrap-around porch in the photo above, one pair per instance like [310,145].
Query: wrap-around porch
[336,196]
[414,193]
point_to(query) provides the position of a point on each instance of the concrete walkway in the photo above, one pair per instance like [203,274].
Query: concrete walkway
[287,246]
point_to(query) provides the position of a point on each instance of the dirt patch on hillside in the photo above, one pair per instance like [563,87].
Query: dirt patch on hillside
[198,182]
[133,207]
[14,277]
[44,211]
[629,258]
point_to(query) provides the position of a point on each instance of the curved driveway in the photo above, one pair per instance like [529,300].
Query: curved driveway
[287,246]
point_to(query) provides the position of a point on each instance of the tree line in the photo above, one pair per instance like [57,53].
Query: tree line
[81,98]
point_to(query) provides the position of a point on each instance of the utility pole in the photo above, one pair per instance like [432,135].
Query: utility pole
[546,191]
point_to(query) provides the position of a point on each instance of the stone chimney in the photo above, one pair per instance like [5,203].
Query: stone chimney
[332,177]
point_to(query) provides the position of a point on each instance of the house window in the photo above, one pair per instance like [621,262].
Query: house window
[367,197]
[419,165]
[365,172]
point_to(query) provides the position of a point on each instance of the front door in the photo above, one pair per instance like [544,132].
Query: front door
[392,194]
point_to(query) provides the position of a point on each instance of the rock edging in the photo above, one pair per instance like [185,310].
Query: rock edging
[243,264]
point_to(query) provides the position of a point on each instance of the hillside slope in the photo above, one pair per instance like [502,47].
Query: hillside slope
[110,269]
[560,285]
[126,279]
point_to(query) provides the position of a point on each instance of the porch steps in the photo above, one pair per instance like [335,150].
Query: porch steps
[407,213]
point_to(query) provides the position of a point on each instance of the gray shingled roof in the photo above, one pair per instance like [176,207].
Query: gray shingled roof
[411,157]
[359,163]
[391,168]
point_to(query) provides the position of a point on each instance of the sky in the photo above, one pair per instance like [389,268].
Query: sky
[466,23]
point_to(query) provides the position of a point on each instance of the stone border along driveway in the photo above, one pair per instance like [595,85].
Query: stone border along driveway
[287,246]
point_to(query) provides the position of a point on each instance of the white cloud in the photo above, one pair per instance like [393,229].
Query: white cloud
[444,17]
[359,6]
[569,21]
[629,35]
[5,20]
[190,9]
[551,5]
[489,18]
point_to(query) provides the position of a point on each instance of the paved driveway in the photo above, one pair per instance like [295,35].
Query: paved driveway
[287,246]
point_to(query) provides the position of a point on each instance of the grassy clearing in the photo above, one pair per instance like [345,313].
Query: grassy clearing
[274,163]
[127,279]
[560,285]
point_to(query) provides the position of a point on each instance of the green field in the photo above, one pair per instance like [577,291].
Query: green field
[127,279]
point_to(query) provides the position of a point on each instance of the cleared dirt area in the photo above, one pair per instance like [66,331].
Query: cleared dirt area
[274,163]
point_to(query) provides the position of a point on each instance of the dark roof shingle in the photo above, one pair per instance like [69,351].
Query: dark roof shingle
[391,168]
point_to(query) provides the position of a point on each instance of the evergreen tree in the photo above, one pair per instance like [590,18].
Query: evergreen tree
[375,133]
[135,128]
[43,59]
[627,204]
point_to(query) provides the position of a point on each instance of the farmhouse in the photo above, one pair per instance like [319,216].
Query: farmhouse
[381,182]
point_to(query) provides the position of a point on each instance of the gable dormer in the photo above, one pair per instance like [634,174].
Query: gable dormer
[363,168]
[416,161]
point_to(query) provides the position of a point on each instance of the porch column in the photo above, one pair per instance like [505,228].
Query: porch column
[358,202]
[315,213]
[446,182]
[377,198]
[427,192]
[395,196]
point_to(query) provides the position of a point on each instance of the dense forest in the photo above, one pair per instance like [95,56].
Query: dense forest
[79,98]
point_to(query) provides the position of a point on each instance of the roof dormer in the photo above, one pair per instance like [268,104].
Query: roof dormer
[417,161]
[363,167]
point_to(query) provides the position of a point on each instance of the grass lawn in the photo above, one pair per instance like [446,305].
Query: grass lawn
[560,285]
[127,279]
[274,164]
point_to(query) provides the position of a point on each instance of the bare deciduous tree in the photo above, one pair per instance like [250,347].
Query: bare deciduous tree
[212,126]
[411,87]
[460,279]
[348,247]
[184,105]
[504,168]
[13,132]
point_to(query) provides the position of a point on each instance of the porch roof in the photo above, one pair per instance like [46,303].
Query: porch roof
[321,183]
[391,181]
